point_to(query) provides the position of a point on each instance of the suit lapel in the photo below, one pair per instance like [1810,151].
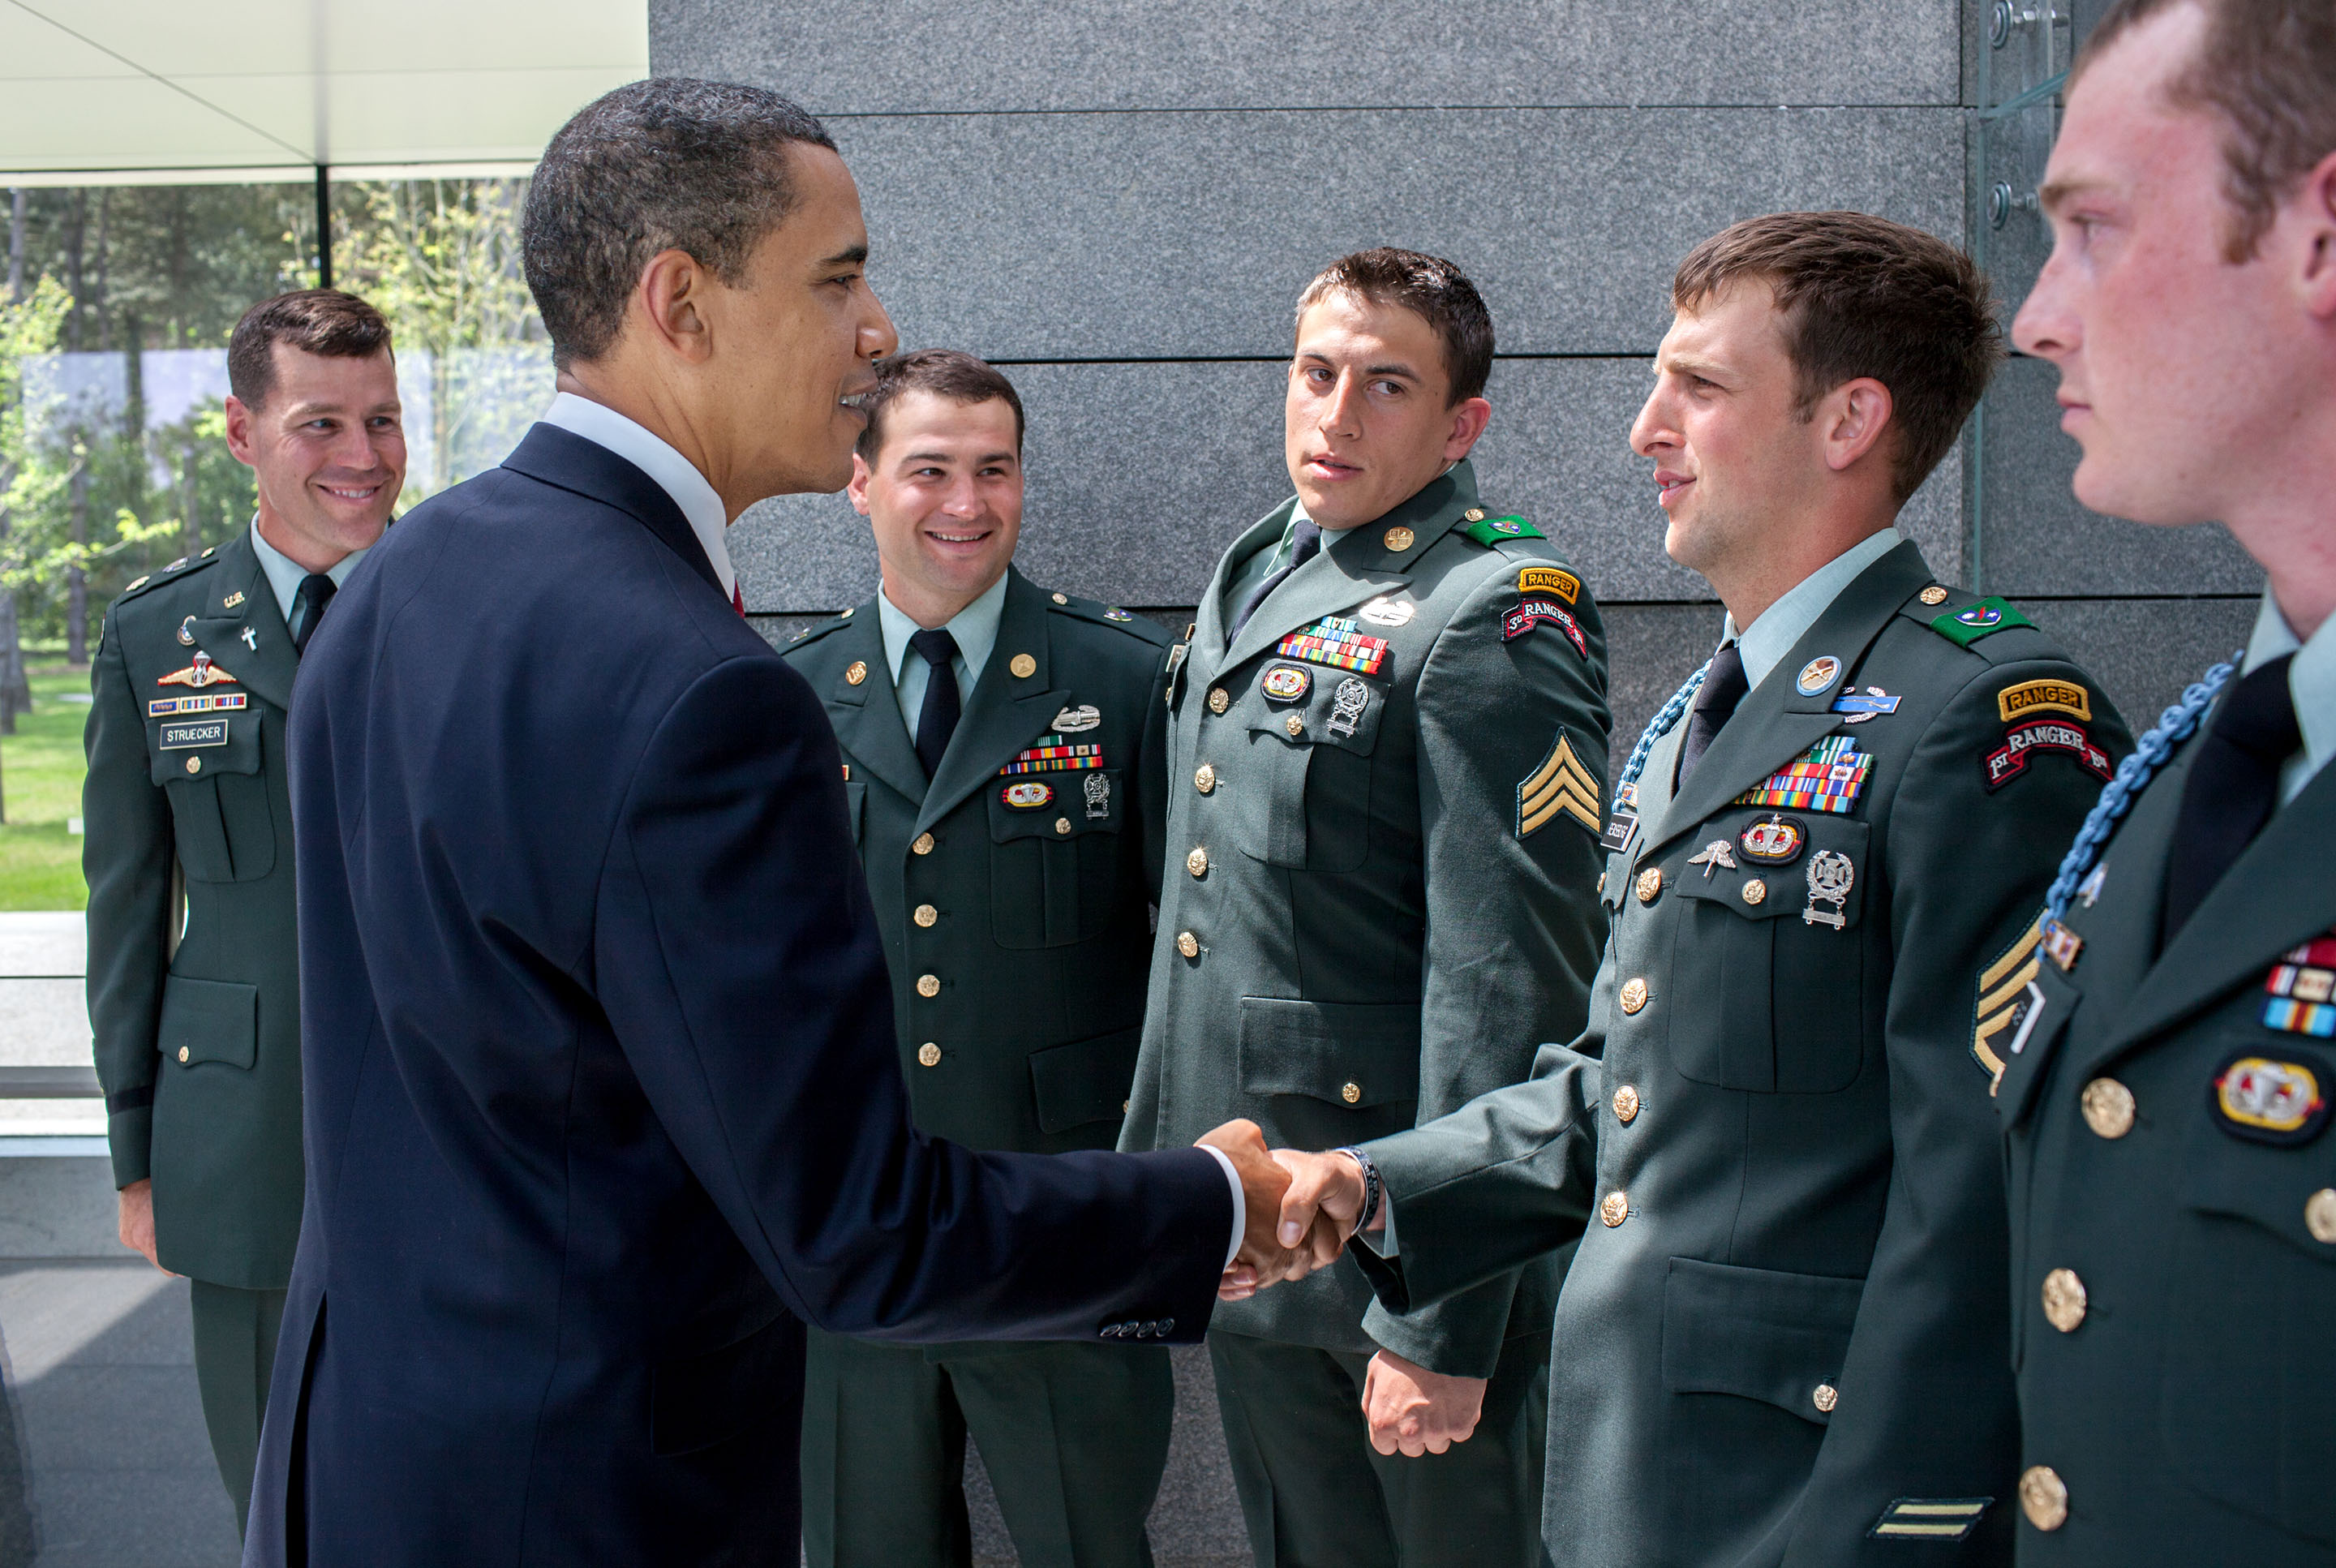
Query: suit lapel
[586,468]
[1209,630]
[867,717]
[1776,722]
[264,662]
[1006,712]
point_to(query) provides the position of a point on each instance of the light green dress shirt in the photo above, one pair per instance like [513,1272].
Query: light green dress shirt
[975,627]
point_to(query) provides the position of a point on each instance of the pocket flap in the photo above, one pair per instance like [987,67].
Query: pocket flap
[1335,707]
[209,1021]
[1823,884]
[1054,805]
[1350,1054]
[2268,1185]
[1758,1333]
[200,745]
[1084,1081]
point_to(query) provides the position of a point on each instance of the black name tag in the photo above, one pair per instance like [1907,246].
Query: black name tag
[179,737]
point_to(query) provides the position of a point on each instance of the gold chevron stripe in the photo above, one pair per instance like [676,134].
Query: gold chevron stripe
[2004,964]
[1561,784]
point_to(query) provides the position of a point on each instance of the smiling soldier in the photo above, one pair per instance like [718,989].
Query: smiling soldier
[198,1038]
[1002,766]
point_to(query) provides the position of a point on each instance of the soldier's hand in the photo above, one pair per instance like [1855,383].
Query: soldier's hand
[137,1219]
[1414,1411]
[1262,1258]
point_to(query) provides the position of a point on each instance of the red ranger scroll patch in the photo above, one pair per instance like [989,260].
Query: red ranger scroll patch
[1533,612]
[2010,760]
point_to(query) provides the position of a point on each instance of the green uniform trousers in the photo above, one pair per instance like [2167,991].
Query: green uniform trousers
[1315,1494]
[1075,1437]
[235,1352]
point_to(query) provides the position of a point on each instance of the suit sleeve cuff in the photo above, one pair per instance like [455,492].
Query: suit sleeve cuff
[129,1134]
[1240,1203]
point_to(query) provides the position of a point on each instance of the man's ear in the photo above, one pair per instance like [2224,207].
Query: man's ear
[1468,422]
[240,433]
[2317,202]
[667,302]
[1851,421]
[858,489]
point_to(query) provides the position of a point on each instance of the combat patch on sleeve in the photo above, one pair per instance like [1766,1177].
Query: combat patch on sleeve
[1560,783]
[1490,530]
[1966,625]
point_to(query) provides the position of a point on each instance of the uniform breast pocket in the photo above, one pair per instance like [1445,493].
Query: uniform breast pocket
[1767,967]
[2249,1338]
[1055,849]
[1310,765]
[213,768]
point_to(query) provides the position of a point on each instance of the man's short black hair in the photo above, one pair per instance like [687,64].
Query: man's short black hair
[670,163]
[322,321]
[1431,288]
[943,372]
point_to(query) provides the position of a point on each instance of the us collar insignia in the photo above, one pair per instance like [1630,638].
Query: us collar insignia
[2010,760]
[1335,640]
[1052,754]
[200,673]
[2280,1099]
[2302,990]
[1966,625]
[1863,707]
[1560,783]
[1531,612]
[1827,779]
[216,702]
[1531,579]
[231,600]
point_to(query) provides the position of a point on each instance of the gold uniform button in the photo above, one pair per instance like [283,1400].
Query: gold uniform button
[1825,1397]
[194,765]
[2043,1496]
[855,672]
[182,1053]
[1188,944]
[1197,863]
[1062,825]
[1294,725]
[1650,885]
[1614,1208]
[1023,665]
[923,846]
[1350,1093]
[928,1055]
[1398,538]
[1474,514]
[1755,890]
[1204,778]
[1626,1104]
[1062,598]
[929,985]
[926,915]
[1934,594]
[2319,1216]
[1634,994]
[2108,1107]
[1218,699]
[2063,1300]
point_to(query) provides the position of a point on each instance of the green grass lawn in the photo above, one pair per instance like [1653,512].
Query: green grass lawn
[41,769]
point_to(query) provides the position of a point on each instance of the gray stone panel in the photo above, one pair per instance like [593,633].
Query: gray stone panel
[2039,542]
[1139,475]
[2144,651]
[1006,55]
[1184,236]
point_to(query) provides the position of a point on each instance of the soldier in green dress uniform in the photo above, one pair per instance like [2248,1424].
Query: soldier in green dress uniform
[1002,765]
[193,961]
[1387,779]
[2166,1031]
[1782,1339]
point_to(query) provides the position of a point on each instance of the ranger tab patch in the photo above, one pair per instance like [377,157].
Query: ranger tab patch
[1337,641]
[1827,779]
[1560,783]
[1052,754]
[1966,625]
[2302,990]
[2035,696]
[2010,760]
[1534,579]
[1928,1518]
[1491,530]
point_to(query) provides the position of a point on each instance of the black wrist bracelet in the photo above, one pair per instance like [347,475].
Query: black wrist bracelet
[1370,1189]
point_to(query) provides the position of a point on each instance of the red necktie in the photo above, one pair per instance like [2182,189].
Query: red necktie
[738,601]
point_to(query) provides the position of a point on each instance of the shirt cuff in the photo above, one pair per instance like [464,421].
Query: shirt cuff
[1240,1203]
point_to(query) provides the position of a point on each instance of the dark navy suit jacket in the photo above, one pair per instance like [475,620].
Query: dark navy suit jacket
[602,1101]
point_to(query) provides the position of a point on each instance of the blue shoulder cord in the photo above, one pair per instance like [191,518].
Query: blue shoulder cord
[1658,727]
[2133,775]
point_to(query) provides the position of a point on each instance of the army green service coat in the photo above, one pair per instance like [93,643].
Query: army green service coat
[1367,919]
[1783,1332]
[1016,926]
[198,1040]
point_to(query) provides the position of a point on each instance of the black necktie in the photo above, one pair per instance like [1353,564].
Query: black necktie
[1309,541]
[2233,789]
[1723,687]
[317,592]
[936,720]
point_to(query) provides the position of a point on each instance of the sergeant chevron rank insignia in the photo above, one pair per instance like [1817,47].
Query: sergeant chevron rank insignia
[1560,783]
[2008,999]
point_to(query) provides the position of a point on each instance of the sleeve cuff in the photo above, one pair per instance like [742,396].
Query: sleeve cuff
[1240,1203]
[129,1134]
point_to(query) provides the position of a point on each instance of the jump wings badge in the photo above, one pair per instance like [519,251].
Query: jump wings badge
[200,673]
[1715,854]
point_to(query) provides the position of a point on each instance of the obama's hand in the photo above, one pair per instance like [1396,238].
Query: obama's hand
[1318,1210]
[1262,1258]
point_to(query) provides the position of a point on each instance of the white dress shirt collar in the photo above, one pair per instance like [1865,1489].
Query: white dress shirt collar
[1772,634]
[2310,684]
[284,573]
[675,474]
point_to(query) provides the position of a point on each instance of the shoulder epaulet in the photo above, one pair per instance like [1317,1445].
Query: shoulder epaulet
[1969,622]
[1489,531]
[1111,615]
[812,633]
[178,570]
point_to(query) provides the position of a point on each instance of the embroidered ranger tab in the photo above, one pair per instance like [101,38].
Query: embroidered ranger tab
[2033,696]
[1027,796]
[1827,779]
[1285,681]
[2302,990]
[216,702]
[1334,640]
[1560,783]
[2007,992]
[1493,529]
[1533,612]
[2010,760]
[2271,1099]
[201,732]
[200,673]
[1053,754]
[1861,707]
[1930,1518]
[1966,625]
[1536,580]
